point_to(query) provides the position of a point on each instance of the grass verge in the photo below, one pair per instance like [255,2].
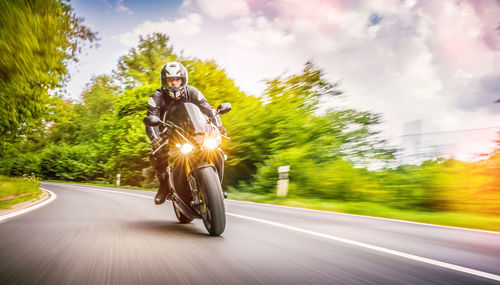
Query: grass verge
[14,190]
[465,220]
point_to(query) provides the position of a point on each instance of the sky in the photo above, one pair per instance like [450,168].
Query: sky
[431,68]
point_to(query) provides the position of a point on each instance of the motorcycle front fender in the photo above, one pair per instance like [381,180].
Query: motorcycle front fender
[216,161]
[201,165]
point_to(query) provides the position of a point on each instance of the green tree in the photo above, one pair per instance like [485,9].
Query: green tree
[142,65]
[123,138]
[37,39]
[98,107]
[322,149]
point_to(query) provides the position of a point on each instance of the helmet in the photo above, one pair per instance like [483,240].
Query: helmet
[174,69]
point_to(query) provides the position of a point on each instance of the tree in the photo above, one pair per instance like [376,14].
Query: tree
[37,39]
[98,106]
[142,65]
[323,150]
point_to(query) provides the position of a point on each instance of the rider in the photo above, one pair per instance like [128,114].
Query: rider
[174,90]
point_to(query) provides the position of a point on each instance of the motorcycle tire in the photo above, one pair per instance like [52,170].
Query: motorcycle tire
[212,207]
[180,216]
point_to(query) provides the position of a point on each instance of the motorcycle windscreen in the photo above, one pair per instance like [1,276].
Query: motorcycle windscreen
[189,117]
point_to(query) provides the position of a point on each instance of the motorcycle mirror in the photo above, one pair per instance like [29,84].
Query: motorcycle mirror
[224,108]
[152,121]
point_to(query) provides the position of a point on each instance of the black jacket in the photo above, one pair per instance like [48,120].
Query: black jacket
[159,103]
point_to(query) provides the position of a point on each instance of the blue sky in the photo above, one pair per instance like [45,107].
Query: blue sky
[432,62]
[105,17]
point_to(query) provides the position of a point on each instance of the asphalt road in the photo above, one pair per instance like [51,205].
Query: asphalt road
[92,235]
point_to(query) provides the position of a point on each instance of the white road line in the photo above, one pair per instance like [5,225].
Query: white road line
[29,209]
[377,248]
[347,241]
[366,216]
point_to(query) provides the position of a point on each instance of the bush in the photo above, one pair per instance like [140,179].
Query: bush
[21,164]
[335,179]
[75,163]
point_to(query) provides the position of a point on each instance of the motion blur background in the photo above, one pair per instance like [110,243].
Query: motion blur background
[391,103]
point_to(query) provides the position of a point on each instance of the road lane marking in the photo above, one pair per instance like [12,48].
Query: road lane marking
[376,248]
[343,240]
[31,208]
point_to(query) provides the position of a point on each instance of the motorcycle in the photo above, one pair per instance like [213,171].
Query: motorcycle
[195,164]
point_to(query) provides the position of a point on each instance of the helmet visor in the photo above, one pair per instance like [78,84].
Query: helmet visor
[174,81]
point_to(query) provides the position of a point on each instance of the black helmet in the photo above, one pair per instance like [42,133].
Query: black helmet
[174,69]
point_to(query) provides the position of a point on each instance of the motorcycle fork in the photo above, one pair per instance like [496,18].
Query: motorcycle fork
[170,179]
[192,184]
[194,191]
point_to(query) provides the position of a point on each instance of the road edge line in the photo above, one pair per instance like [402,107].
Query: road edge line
[378,248]
[30,208]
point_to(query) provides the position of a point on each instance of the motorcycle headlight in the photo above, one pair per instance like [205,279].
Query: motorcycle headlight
[185,148]
[211,143]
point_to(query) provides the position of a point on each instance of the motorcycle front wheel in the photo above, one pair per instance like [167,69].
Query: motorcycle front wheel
[212,207]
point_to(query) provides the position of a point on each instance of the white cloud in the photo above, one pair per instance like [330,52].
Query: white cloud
[183,27]
[253,32]
[220,9]
[122,8]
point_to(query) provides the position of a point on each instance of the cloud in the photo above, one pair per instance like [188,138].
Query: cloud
[122,8]
[421,57]
[183,27]
[483,94]
[253,32]
[409,60]
[488,12]
[219,9]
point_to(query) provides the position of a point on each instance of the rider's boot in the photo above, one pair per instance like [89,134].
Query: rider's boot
[163,189]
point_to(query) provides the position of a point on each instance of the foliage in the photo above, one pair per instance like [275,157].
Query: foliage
[142,65]
[69,162]
[21,164]
[130,151]
[37,39]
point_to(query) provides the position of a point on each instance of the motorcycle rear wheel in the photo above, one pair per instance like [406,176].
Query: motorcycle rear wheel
[180,216]
[212,207]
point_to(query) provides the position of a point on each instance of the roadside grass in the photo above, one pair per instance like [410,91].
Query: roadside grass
[456,219]
[14,190]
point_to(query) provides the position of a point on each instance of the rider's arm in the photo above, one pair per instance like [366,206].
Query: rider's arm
[154,109]
[197,98]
